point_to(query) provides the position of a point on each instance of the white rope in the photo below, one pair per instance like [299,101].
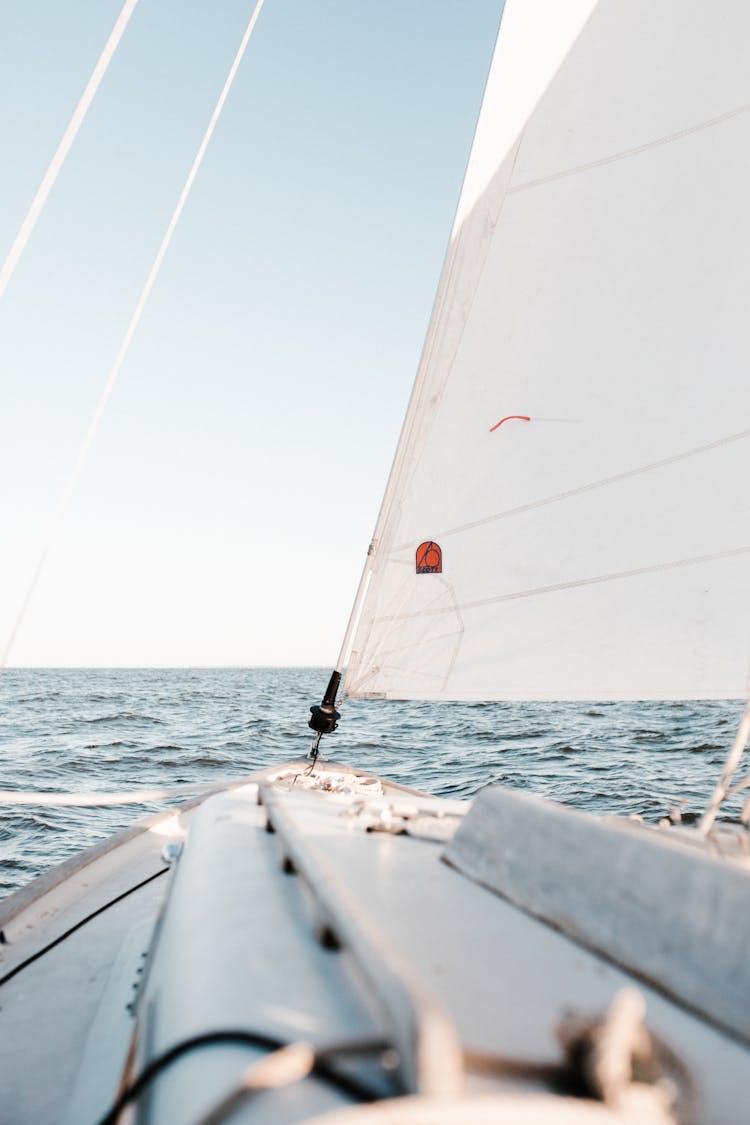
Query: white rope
[733,760]
[79,114]
[84,800]
[127,339]
[281,1068]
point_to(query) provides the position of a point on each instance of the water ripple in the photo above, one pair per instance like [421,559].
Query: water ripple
[113,729]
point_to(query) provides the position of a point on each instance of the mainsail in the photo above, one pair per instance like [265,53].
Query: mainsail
[566,516]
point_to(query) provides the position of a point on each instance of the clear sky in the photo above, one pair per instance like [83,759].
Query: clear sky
[228,500]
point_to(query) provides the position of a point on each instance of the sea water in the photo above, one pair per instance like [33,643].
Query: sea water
[112,729]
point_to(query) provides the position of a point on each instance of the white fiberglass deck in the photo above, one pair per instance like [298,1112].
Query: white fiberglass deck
[322,930]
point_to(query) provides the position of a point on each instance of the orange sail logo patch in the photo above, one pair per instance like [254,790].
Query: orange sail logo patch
[429,558]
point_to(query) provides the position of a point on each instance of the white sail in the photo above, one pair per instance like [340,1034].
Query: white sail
[596,283]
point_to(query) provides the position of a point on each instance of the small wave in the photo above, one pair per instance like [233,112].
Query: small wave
[111,745]
[249,724]
[205,725]
[205,762]
[123,717]
[16,863]
[499,735]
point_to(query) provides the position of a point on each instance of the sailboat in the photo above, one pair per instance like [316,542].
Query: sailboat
[564,519]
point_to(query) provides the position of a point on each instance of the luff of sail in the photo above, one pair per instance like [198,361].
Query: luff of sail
[596,284]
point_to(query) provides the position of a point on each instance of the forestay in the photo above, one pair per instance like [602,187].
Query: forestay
[596,284]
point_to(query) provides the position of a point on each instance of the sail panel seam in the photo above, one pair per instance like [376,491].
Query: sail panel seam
[583,488]
[638,150]
[577,583]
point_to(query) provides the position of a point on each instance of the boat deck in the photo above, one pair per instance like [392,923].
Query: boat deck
[325,917]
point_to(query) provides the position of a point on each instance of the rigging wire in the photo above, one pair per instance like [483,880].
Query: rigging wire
[26,229]
[733,760]
[67,492]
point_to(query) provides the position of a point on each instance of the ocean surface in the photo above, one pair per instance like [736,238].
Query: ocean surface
[76,730]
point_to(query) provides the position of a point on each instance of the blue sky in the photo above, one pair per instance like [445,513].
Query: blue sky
[229,497]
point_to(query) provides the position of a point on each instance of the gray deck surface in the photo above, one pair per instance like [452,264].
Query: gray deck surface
[238,947]
[506,978]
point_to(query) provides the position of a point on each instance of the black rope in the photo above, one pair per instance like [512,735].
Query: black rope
[94,913]
[321,1068]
